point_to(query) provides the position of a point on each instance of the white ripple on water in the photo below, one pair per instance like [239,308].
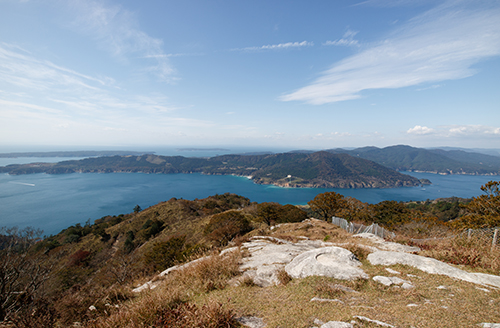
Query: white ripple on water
[23,183]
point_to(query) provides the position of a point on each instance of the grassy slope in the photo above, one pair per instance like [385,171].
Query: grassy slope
[461,304]
[96,280]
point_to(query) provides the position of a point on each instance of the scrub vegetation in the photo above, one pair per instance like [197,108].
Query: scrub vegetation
[85,273]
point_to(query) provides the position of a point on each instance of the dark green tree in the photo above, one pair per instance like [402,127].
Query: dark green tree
[327,204]
[223,227]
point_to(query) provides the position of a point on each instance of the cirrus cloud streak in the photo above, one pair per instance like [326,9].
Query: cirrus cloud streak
[441,44]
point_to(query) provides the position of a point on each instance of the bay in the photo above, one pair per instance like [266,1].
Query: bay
[54,202]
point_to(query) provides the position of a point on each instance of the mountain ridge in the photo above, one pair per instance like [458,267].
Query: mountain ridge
[407,158]
[317,170]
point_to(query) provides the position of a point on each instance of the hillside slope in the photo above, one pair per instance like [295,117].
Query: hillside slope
[406,158]
[320,169]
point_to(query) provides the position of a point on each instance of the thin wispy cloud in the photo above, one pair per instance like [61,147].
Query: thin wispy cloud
[27,71]
[442,44]
[117,31]
[173,55]
[346,40]
[279,46]
[57,91]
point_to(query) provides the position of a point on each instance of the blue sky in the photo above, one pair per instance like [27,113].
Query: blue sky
[294,74]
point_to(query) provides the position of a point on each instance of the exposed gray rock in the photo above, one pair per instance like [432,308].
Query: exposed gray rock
[380,323]
[382,244]
[252,322]
[388,281]
[269,254]
[489,325]
[337,324]
[432,266]
[330,261]
[392,271]
[407,285]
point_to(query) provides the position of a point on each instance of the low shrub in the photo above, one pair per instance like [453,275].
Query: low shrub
[223,227]
[166,254]
[187,315]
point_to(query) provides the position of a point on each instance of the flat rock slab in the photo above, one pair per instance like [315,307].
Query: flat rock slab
[432,266]
[269,254]
[385,245]
[335,262]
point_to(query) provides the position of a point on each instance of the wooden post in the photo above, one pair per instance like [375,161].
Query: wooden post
[469,232]
[494,242]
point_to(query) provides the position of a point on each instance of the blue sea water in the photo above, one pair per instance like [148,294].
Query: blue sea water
[54,202]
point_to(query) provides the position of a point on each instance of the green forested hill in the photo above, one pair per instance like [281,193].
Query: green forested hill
[320,169]
[406,158]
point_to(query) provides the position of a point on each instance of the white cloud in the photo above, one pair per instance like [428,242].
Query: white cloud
[277,46]
[26,71]
[59,96]
[441,44]
[341,134]
[470,130]
[417,129]
[347,40]
[456,131]
[116,30]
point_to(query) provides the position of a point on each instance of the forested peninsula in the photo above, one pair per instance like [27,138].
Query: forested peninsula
[314,170]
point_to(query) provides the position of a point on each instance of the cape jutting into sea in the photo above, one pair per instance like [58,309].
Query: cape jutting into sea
[55,202]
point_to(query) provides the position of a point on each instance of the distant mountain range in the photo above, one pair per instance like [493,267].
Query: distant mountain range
[319,169]
[367,167]
[406,158]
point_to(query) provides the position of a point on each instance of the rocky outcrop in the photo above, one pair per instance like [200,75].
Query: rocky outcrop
[268,255]
[334,262]
[432,266]
[382,244]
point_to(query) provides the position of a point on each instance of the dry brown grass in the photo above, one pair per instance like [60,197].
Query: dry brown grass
[210,315]
[178,288]
[200,296]
[283,276]
[460,305]
[313,229]
[475,253]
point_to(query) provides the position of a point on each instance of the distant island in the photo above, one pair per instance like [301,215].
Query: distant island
[81,153]
[202,149]
[314,170]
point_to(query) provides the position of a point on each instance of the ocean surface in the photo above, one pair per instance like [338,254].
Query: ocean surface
[55,202]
